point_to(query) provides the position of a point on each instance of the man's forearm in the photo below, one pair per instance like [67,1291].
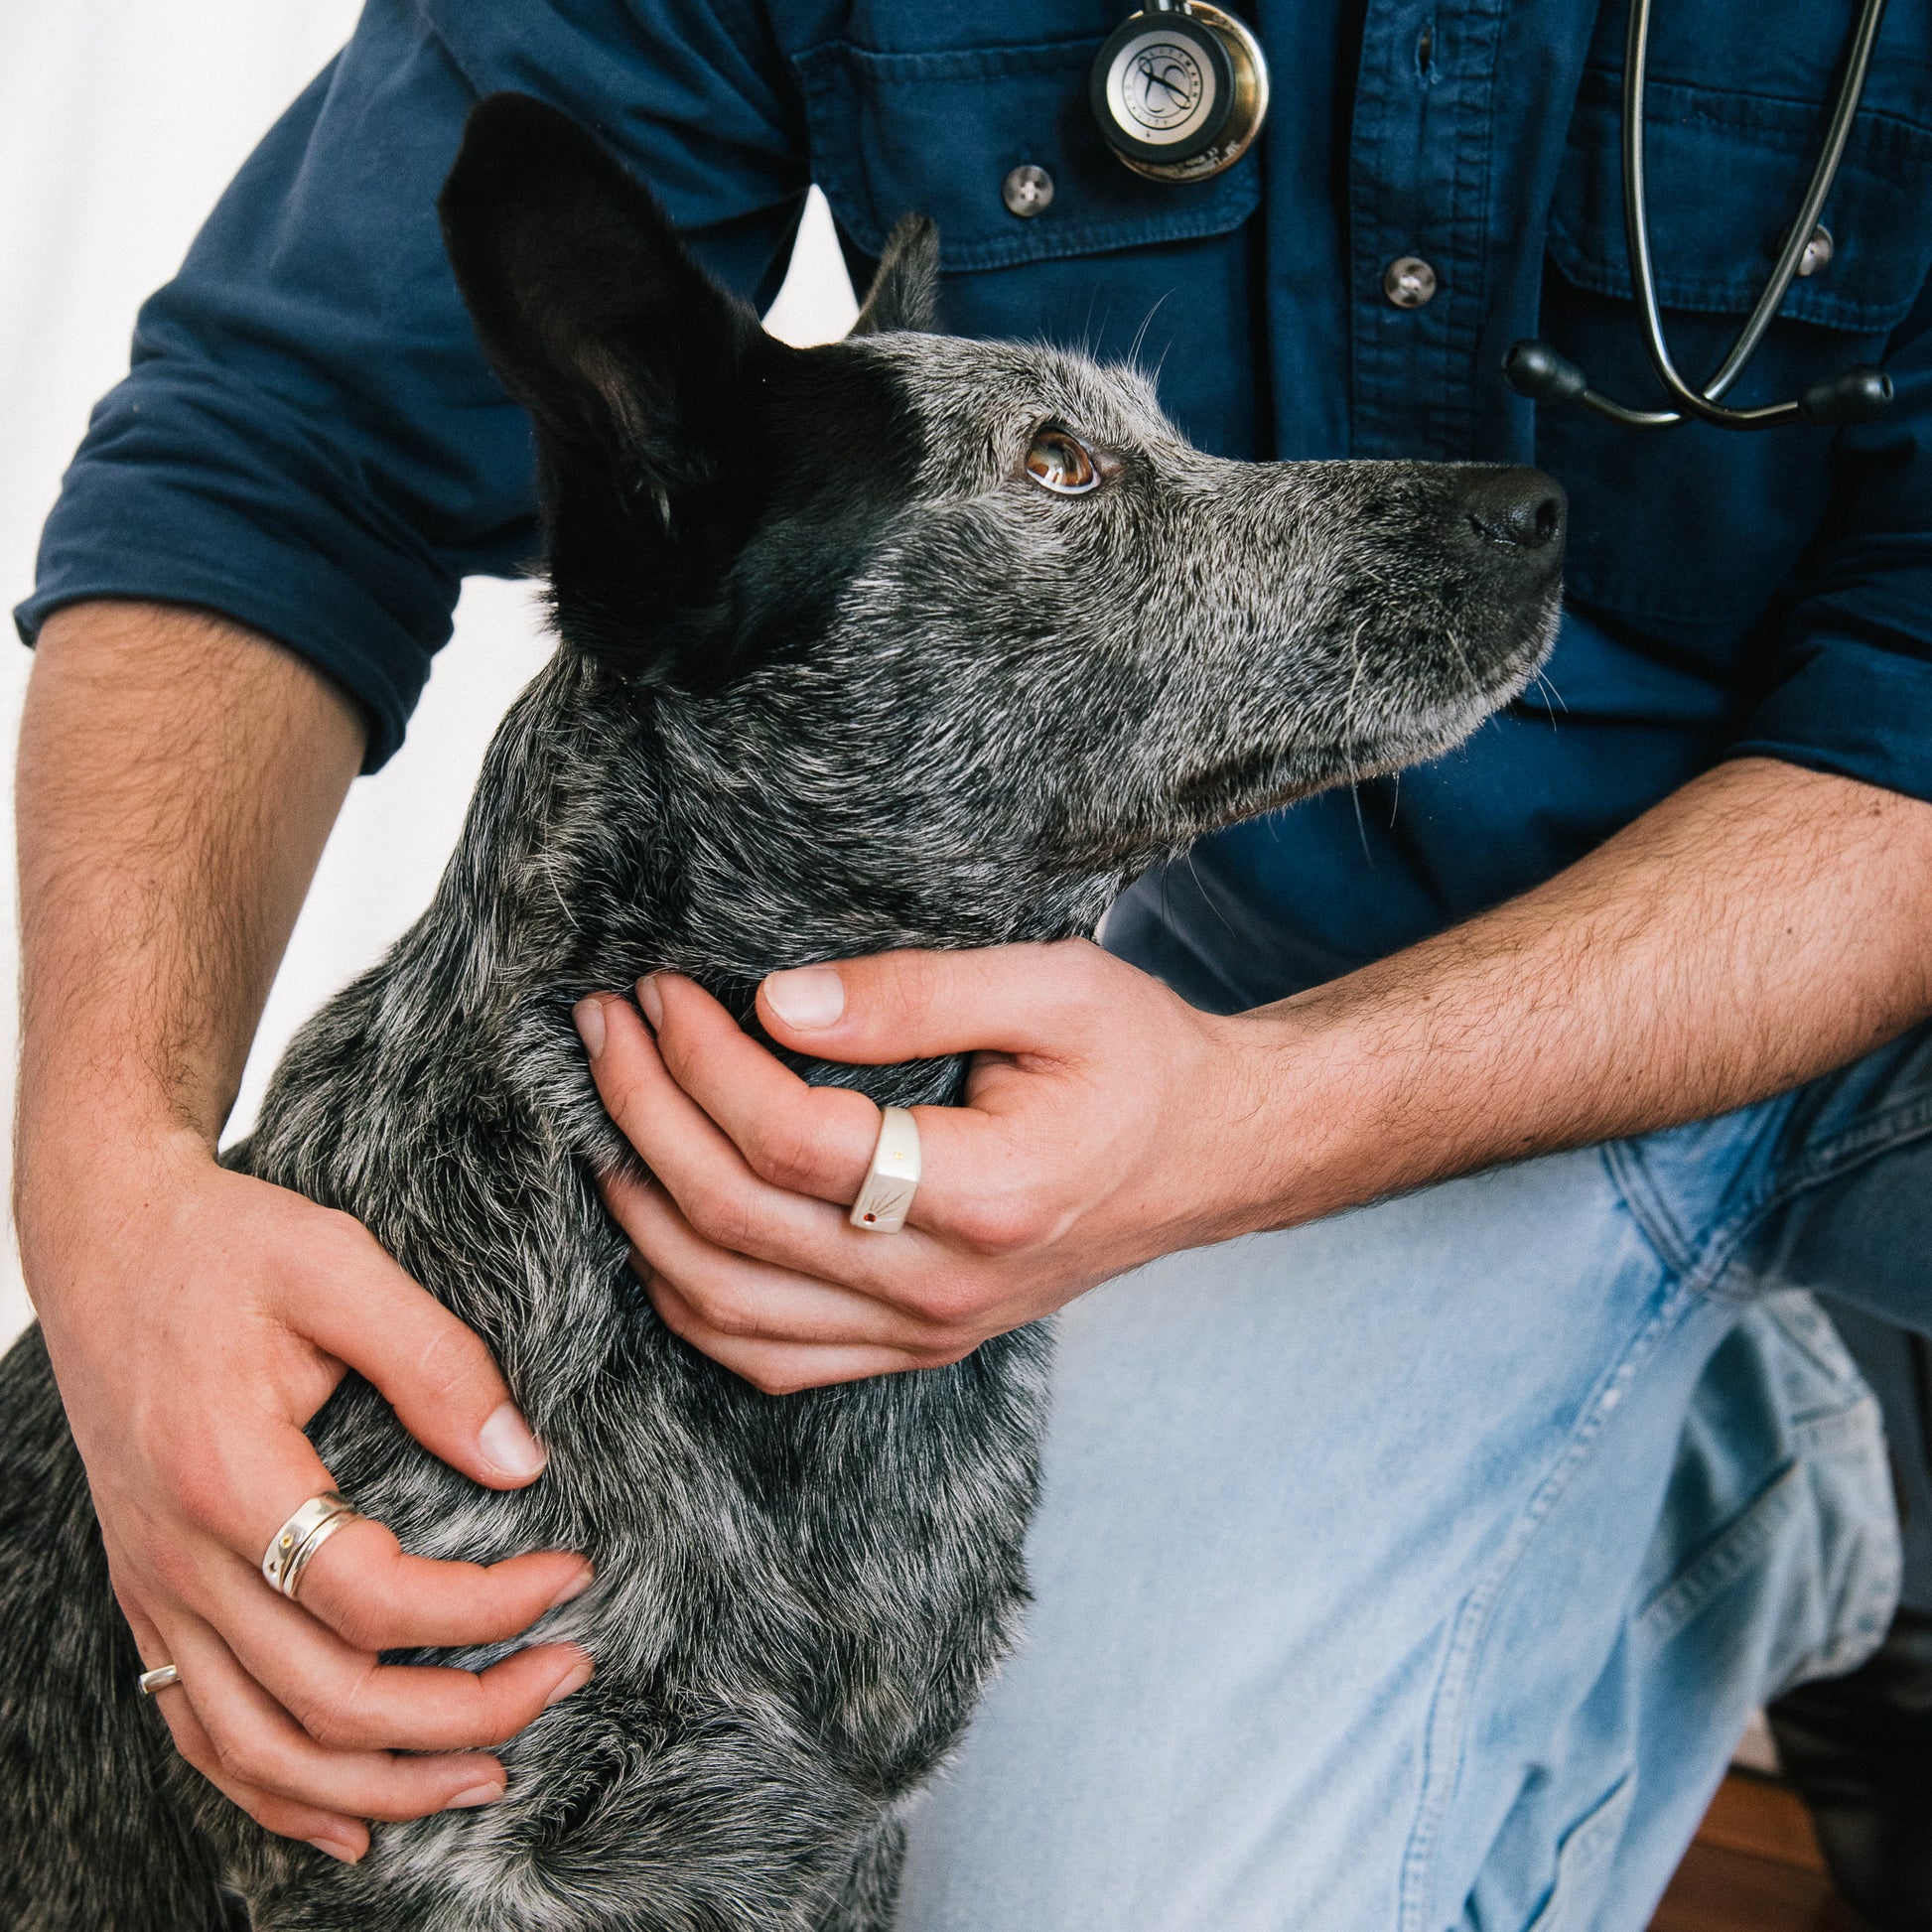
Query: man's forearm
[1761,927]
[178,777]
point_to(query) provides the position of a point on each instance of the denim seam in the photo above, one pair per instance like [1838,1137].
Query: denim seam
[1864,1634]
[1449,1706]
[1677,1600]
[1583,1846]
[1863,1142]
[1665,1235]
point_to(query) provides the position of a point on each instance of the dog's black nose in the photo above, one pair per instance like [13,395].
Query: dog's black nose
[1515,509]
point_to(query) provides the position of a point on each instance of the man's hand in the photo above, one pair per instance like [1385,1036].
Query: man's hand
[1758,927]
[177,779]
[197,1320]
[1103,1125]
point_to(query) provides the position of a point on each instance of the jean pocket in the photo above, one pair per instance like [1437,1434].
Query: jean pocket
[1780,1505]
[1585,1858]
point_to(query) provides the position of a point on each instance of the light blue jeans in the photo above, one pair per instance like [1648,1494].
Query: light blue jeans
[1419,1568]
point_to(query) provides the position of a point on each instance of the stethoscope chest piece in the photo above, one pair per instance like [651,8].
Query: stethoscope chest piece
[1179,90]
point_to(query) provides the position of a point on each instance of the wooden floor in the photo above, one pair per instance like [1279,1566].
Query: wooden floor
[1754,1867]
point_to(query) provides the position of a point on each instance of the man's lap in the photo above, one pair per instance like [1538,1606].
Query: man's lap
[1366,1551]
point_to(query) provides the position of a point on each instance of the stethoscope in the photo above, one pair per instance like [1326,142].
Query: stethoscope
[1179,90]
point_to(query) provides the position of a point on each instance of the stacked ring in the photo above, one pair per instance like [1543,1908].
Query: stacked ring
[295,1544]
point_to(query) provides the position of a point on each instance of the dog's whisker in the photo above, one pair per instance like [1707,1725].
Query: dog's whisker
[1133,356]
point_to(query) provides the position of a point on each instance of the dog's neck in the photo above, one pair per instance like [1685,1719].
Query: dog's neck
[611,837]
[591,853]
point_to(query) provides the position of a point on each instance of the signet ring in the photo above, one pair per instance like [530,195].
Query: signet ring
[894,1177]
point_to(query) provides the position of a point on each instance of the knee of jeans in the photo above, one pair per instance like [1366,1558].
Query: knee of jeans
[1775,1559]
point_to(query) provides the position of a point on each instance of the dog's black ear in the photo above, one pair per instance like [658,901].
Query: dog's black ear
[587,302]
[905,293]
[638,371]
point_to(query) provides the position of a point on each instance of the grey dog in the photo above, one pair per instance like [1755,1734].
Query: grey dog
[901,641]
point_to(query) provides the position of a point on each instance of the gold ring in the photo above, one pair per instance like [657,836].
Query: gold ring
[292,1547]
[894,1177]
[164,1677]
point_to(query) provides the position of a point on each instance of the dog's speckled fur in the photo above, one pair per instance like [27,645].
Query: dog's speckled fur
[834,675]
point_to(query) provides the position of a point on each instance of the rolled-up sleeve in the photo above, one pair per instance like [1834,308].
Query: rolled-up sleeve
[309,440]
[1850,683]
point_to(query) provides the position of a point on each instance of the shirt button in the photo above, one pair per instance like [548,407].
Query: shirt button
[1819,251]
[1409,281]
[1028,191]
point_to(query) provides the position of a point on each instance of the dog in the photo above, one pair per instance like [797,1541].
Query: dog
[905,640]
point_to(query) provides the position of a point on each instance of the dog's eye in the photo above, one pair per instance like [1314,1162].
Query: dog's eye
[1056,462]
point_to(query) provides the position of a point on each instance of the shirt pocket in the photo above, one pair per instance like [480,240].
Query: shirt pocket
[939,133]
[1132,270]
[1728,171]
[1697,526]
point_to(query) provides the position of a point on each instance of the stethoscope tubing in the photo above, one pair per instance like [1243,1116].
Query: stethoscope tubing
[1862,393]
[1705,405]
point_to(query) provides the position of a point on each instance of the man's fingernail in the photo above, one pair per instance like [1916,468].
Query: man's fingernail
[575,1588]
[573,1681]
[478,1794]
[807,997]
[589,1016]
[507,1445]
[652,1000]
[338,1849]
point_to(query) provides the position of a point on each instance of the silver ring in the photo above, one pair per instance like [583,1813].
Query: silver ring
[164,1677]
[292,1547]
[894,1177]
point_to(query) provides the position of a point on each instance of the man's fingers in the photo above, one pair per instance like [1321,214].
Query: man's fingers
[701,1166]
[778,1368]
[358,1582]
[711,1146]
[907,1006]
[243,1740]
[807,1140]
[442,1382]
[756,1301]
[345,1699]
[343,1838]
[367,1589]
[240,1486]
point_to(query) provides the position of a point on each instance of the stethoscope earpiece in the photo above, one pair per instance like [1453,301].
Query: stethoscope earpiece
[1179,90]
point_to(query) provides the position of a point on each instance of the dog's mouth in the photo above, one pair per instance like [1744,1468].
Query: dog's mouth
[1380,736]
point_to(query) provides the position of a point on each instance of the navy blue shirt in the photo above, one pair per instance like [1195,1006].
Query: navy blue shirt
[310,442]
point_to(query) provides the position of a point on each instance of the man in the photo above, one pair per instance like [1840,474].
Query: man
[1416,1567]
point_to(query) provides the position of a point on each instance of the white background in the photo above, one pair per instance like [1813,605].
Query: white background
[120,122]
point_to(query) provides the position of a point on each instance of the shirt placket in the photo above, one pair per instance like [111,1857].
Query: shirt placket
[1420,153]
